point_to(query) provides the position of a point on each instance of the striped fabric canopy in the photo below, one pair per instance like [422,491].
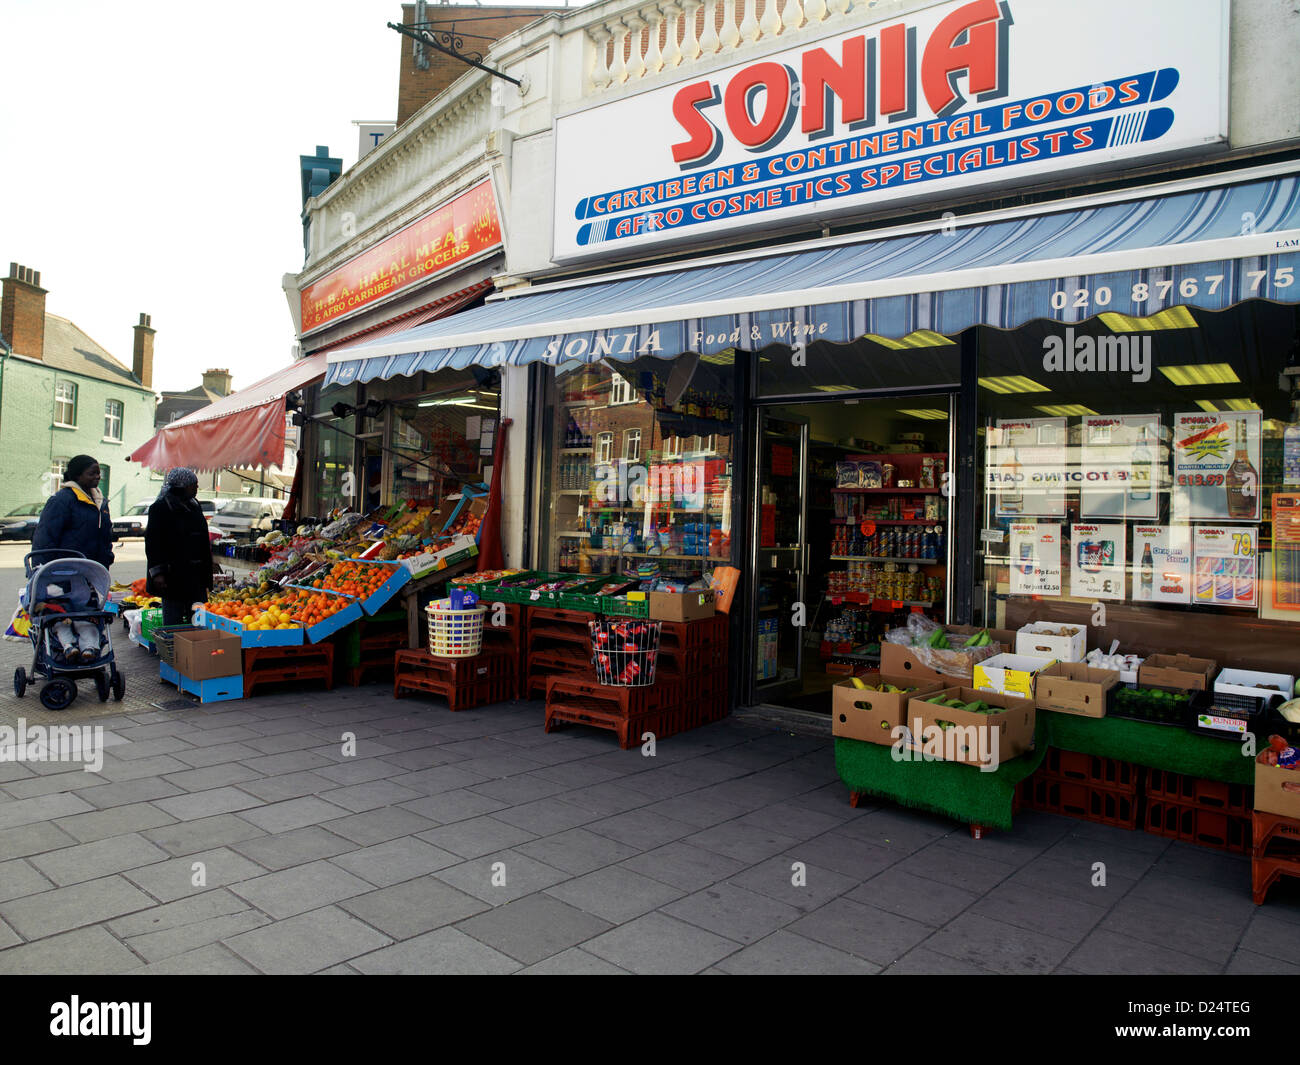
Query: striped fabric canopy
[1209,246]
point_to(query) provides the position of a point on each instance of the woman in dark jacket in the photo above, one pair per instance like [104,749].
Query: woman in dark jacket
[76,517]
[177,547]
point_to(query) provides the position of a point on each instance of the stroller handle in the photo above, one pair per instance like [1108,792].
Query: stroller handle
[48,554]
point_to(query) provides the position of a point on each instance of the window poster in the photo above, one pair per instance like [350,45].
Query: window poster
[1226,565]
[1286,552]
[1162,564]
[1097,561]
[1216,466]
[1035,558]
[1026,467]
[1121,462]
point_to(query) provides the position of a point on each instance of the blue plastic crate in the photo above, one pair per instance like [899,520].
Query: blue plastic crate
[254,638]
[381,595]
[216,690]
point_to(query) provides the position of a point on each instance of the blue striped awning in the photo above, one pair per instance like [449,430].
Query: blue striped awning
[1207,247]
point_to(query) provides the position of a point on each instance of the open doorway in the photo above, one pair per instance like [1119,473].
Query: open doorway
[851,533]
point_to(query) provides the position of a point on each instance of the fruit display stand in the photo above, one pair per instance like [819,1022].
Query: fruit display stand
[421,589]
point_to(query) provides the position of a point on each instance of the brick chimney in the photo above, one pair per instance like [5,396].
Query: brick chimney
[217,381]
[142,351]
[22,313]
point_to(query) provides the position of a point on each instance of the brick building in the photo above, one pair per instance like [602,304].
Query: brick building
[425,72]
[62,394]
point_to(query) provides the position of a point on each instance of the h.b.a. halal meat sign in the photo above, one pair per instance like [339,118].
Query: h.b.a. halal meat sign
[949,99]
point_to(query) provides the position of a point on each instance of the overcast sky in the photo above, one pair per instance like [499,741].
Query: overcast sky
[150,161]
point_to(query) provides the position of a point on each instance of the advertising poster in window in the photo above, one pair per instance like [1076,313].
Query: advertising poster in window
[1162,564]
[1121,466]
[1216,465]
[1097,561]
[1035,558]
[1286,552]
[1026,467]
[1226,566]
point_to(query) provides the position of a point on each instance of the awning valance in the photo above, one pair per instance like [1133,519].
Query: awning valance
[243,429]
[1209,244]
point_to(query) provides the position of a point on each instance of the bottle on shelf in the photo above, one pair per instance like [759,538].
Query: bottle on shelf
[1242,480]
[1146,573]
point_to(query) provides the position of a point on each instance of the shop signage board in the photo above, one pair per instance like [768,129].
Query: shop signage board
[1026,467]
[1226,566]
[1121,466]
[1216,466]
[1286,552]
[957,96]
[1035,558]
[1097,561]
[443,239]
[1162,564]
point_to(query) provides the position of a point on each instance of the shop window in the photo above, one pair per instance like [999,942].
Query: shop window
[620,490]
[113,419]
[620,391]
[65,405]
[867,364]
[1154,500]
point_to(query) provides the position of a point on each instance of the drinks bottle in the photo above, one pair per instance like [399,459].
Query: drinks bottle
[1242,480]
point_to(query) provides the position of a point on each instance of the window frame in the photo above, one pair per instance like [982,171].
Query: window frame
[120,416]
[59,401]
[604,449]
[620,386]
[631,436]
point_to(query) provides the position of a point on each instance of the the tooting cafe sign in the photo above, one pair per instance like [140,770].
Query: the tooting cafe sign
[953,97]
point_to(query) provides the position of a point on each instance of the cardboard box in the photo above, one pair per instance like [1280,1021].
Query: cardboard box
[1073,688]
[682,606]
[957,662]
[987,739]
[1271,794]
[202,654]
[1009,674]
[1041,638]
[458,550]
[1177,671]
[1251,682]
[859,714]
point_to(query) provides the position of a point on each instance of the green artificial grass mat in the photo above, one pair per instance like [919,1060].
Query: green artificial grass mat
[965,794]
[958,791]
[1157,746]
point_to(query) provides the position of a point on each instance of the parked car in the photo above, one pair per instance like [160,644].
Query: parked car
[134,521]
[247,517]
[20,523]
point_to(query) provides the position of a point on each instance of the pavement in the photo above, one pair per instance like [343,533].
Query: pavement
[345,832]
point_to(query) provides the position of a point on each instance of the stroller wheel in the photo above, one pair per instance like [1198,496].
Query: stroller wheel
[102,686]
[119,685]
[20,682]
[58,693]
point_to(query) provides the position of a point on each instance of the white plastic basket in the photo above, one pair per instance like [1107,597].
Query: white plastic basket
[455,633]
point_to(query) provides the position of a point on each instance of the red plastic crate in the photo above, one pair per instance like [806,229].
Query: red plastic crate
[279,665]
[1194,791]
[490,663]
[459,696]
[1274,835]
[1265,872]
[1078,799]
[1200,825]
[1091,769]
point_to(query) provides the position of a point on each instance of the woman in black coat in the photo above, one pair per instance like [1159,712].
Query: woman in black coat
[177,548]
[76,517]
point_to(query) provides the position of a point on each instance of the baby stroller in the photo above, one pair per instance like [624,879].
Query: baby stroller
[65,598]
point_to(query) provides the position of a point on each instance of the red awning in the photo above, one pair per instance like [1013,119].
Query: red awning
[245,428]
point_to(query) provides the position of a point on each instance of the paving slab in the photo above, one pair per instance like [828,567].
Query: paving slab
[658,944]
[533,928]
[306,943]
[66,908]
[84,952]
[445,952]
[414,907]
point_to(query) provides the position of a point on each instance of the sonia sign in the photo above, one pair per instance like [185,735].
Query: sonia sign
[953,97]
